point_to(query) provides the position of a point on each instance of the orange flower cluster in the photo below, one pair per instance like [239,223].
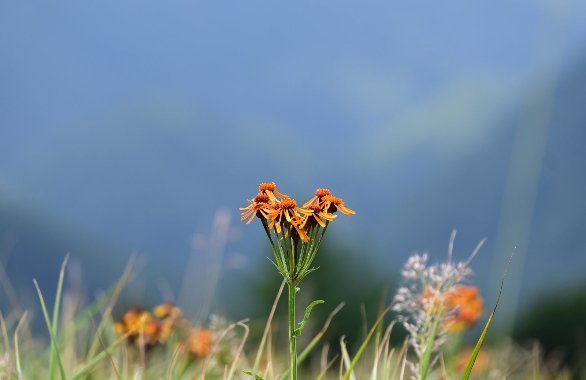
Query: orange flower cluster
[467,306]
[141,328]
[463,306]
[147,329]
[279,212]
[199,342]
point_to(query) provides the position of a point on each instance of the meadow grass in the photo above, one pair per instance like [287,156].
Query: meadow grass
[434,306]
[81,343]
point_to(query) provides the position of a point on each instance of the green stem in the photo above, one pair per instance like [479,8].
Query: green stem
[426,358]
[292,336]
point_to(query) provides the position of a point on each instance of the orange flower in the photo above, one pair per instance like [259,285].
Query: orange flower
[318,197]
[270,189]
[132,322]
[317,214]
[333,204]
[170,317]
[139,326]
[462,304]
[467,305]
[259,206]
[199,342]
[298,224]
[284,211]
[152,333]
[167,310]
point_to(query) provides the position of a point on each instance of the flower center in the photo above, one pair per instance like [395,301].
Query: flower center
[287,204]
[320,193]
[261,198]
[316,208]
[267,186]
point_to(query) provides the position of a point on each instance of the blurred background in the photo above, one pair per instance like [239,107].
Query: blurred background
[139,128]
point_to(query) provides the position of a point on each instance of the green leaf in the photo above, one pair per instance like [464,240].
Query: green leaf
[426,358]
[319,335]
[256,377]
[55,352]
[16,346]
[91,363]
[346,359]
[480,341]
[56,307]
[301,324]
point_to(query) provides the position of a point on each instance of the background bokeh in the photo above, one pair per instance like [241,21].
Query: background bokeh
[140,127]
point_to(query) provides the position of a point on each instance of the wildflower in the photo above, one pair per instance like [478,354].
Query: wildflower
[318,197]
[259,206]
[433,302]
[285,210]
[464,306]
[317,214]
[270,189]
[132,322]
[167,310]
[334,204]
[170,317]
[294,235]
[152,333]
[199,342]
[139,326]
[298,231]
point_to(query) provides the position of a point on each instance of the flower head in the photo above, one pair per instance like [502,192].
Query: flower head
[334,204]
[139,326]
[199,342]
[291,228]
[167,310]
[170,318]
[318,197]
[284,211]
[317,214]
[270,189]
[435,294]
[465,307]
[259,206]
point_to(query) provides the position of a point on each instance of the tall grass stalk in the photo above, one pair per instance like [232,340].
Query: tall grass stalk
[55,351]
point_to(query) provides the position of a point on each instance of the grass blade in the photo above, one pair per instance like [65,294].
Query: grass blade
[426,358]
[107,352]
[54,344]
[267,328]
[346,360]
[365,343]
[480,341]
[16,346]
[239,350]
[4,333]
[56,307]
[256,377]
[120,284]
